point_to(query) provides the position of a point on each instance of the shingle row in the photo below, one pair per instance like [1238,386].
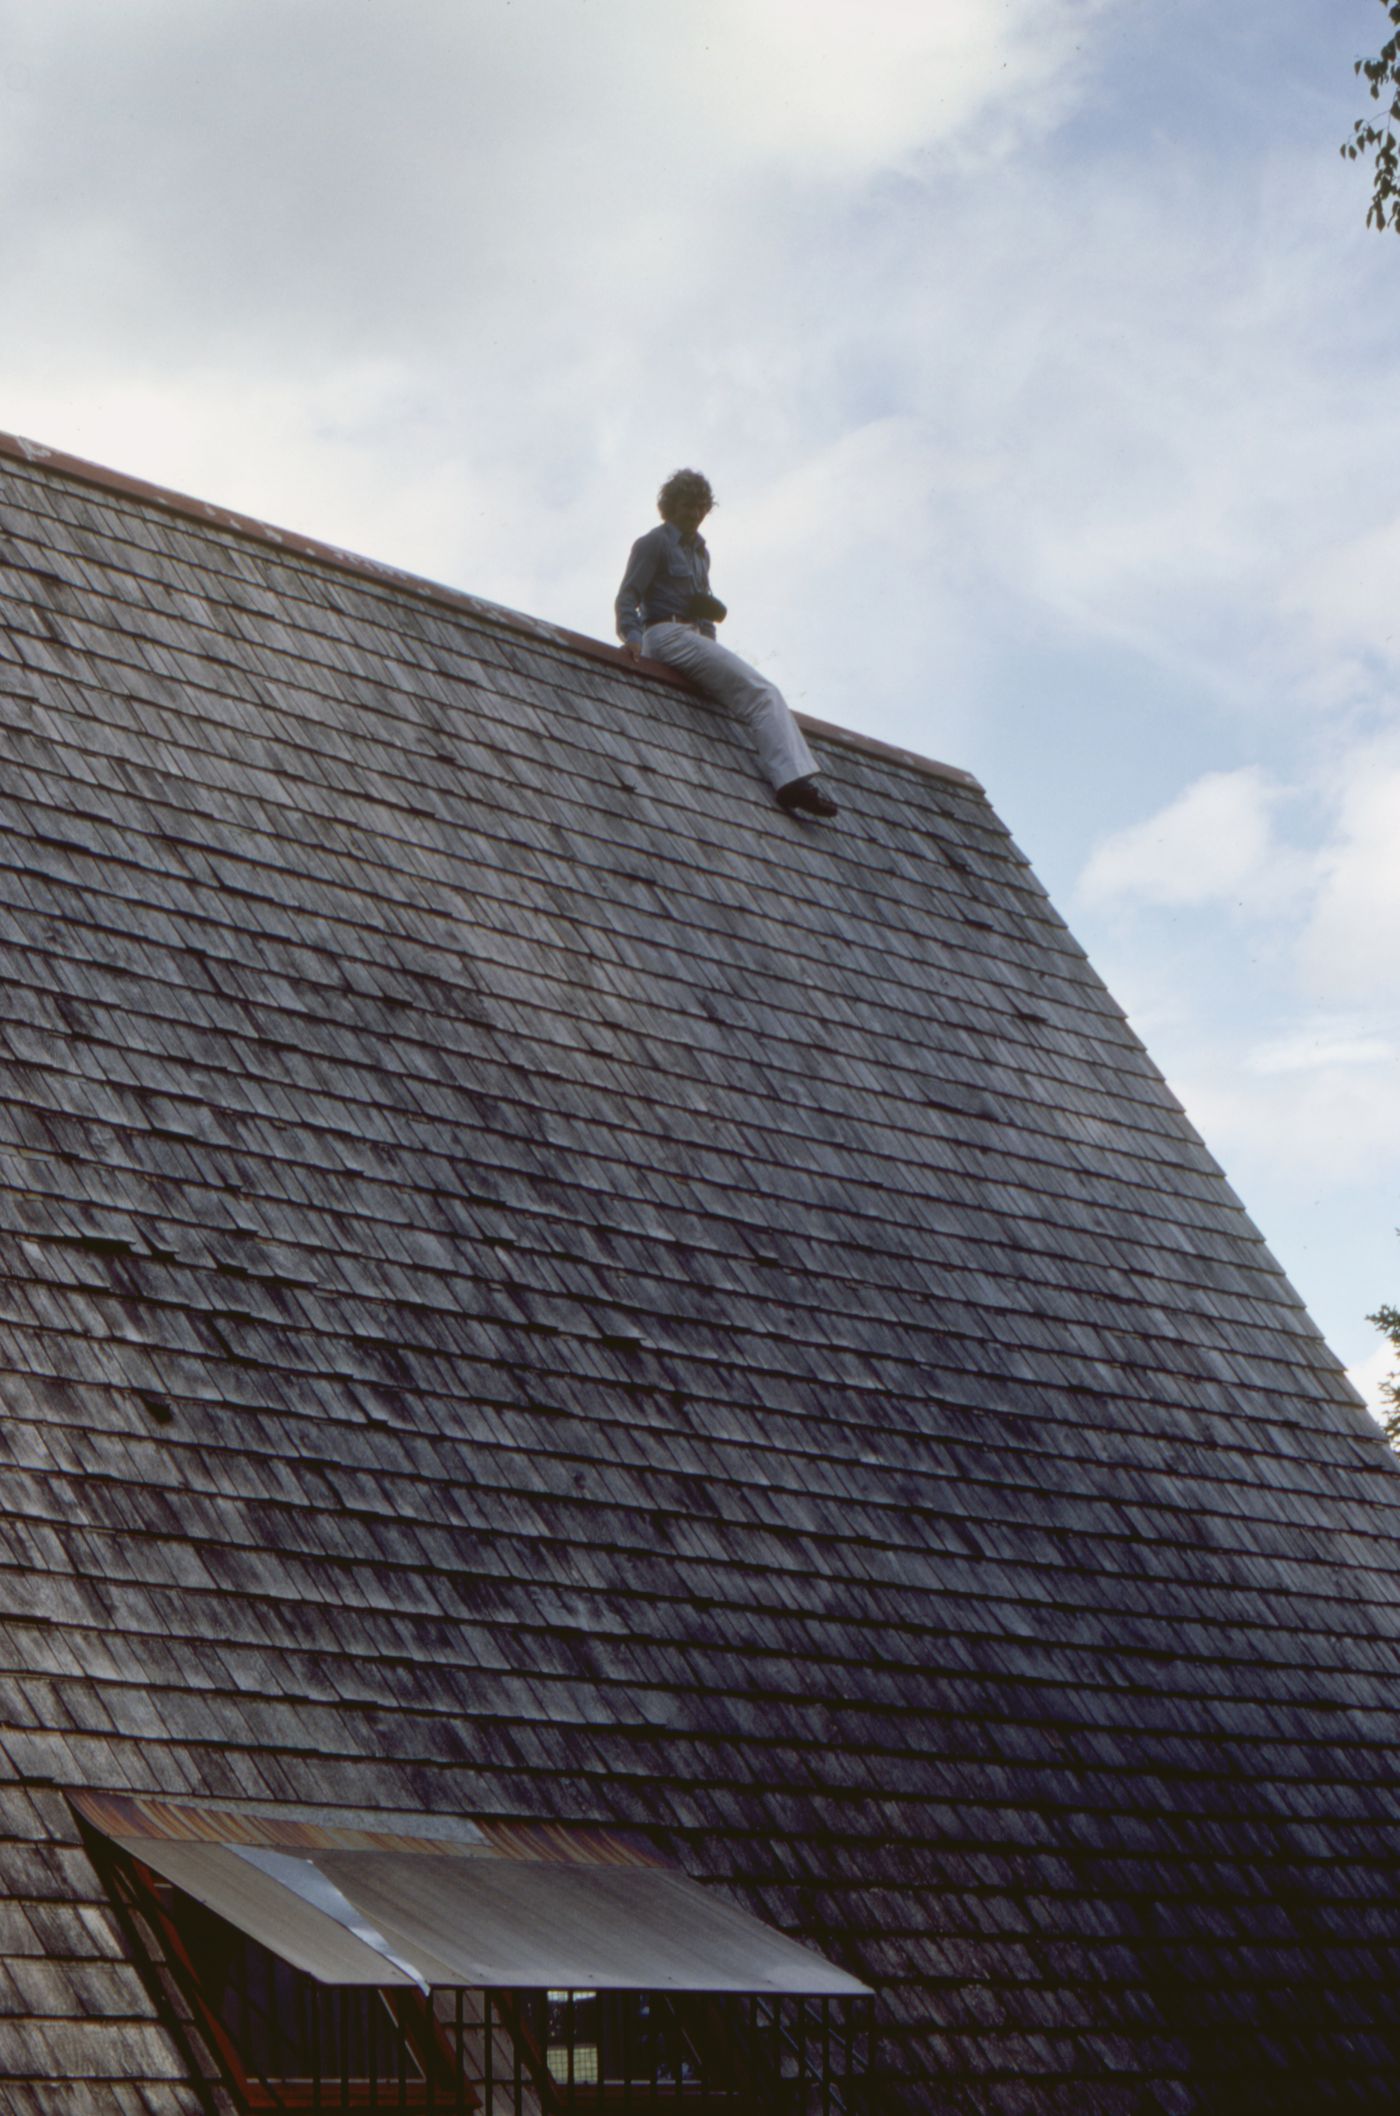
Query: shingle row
[530,1284]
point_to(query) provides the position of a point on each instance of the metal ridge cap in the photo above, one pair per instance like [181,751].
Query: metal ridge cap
[38,456]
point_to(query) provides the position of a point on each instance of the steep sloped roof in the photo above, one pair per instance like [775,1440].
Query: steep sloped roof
[534,1285]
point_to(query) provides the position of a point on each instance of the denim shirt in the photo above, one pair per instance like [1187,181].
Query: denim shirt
[663,572]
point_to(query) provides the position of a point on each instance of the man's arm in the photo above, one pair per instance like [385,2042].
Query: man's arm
[641,571]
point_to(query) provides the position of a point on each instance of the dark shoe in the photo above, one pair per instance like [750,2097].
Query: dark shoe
[805,797]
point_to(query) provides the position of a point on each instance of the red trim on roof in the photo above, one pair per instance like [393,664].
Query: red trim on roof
[128,1817]
[38,456]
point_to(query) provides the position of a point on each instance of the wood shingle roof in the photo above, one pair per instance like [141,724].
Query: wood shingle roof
[533,1285]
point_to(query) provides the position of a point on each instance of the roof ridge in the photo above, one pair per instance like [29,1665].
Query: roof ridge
[38,455]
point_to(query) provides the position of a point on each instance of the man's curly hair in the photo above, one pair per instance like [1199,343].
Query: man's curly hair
[682,485]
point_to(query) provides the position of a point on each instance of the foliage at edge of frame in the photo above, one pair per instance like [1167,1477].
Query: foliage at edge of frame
[1382,76]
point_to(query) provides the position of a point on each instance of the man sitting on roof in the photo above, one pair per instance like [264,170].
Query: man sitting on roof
[666,611]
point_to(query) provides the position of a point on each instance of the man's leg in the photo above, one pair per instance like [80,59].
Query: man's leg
[782,749]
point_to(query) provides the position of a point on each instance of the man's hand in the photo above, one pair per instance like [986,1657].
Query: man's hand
[632,648]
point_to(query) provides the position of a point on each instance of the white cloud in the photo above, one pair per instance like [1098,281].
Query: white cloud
[1320,1081]
[824,82]
[250,442]
[1347,590]
[1351,945]
[574,243]
[841,531]
[1315,1154]
[372,174]
[590,240]
[1301,1103]
[1214,843]
[1327,905]
[1368,1376]
[1323,1043]
[1337,1121]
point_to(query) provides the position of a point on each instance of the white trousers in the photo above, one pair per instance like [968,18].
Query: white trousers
[782,752]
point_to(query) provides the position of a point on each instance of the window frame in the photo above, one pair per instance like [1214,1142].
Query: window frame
[706,2052]
[141,1896]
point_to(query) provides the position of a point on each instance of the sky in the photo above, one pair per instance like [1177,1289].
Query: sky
[1038,352]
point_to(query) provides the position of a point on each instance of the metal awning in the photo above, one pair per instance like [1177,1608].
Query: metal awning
[504,1907]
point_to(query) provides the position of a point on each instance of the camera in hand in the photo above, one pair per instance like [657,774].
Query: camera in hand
[705,609]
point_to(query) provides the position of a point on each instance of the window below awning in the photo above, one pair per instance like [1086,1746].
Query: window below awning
[499,1906]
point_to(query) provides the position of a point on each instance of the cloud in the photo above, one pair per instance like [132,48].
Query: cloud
[372,175]
[1368,1376]
[1337,1119]
[827,550]
[1347,592]
[584,241]
[1324,1073]
[1334,901]
[1284,1046]
[546,249]
[1214,843]
[1351,944]
[591,238]
[1324,1043]
[845,88]
[1314,1152]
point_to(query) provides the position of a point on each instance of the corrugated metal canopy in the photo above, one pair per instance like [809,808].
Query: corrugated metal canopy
[281,1917]
[479,1921]
[458,1916]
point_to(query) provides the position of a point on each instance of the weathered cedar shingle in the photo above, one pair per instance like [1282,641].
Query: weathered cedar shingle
[530,1284]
